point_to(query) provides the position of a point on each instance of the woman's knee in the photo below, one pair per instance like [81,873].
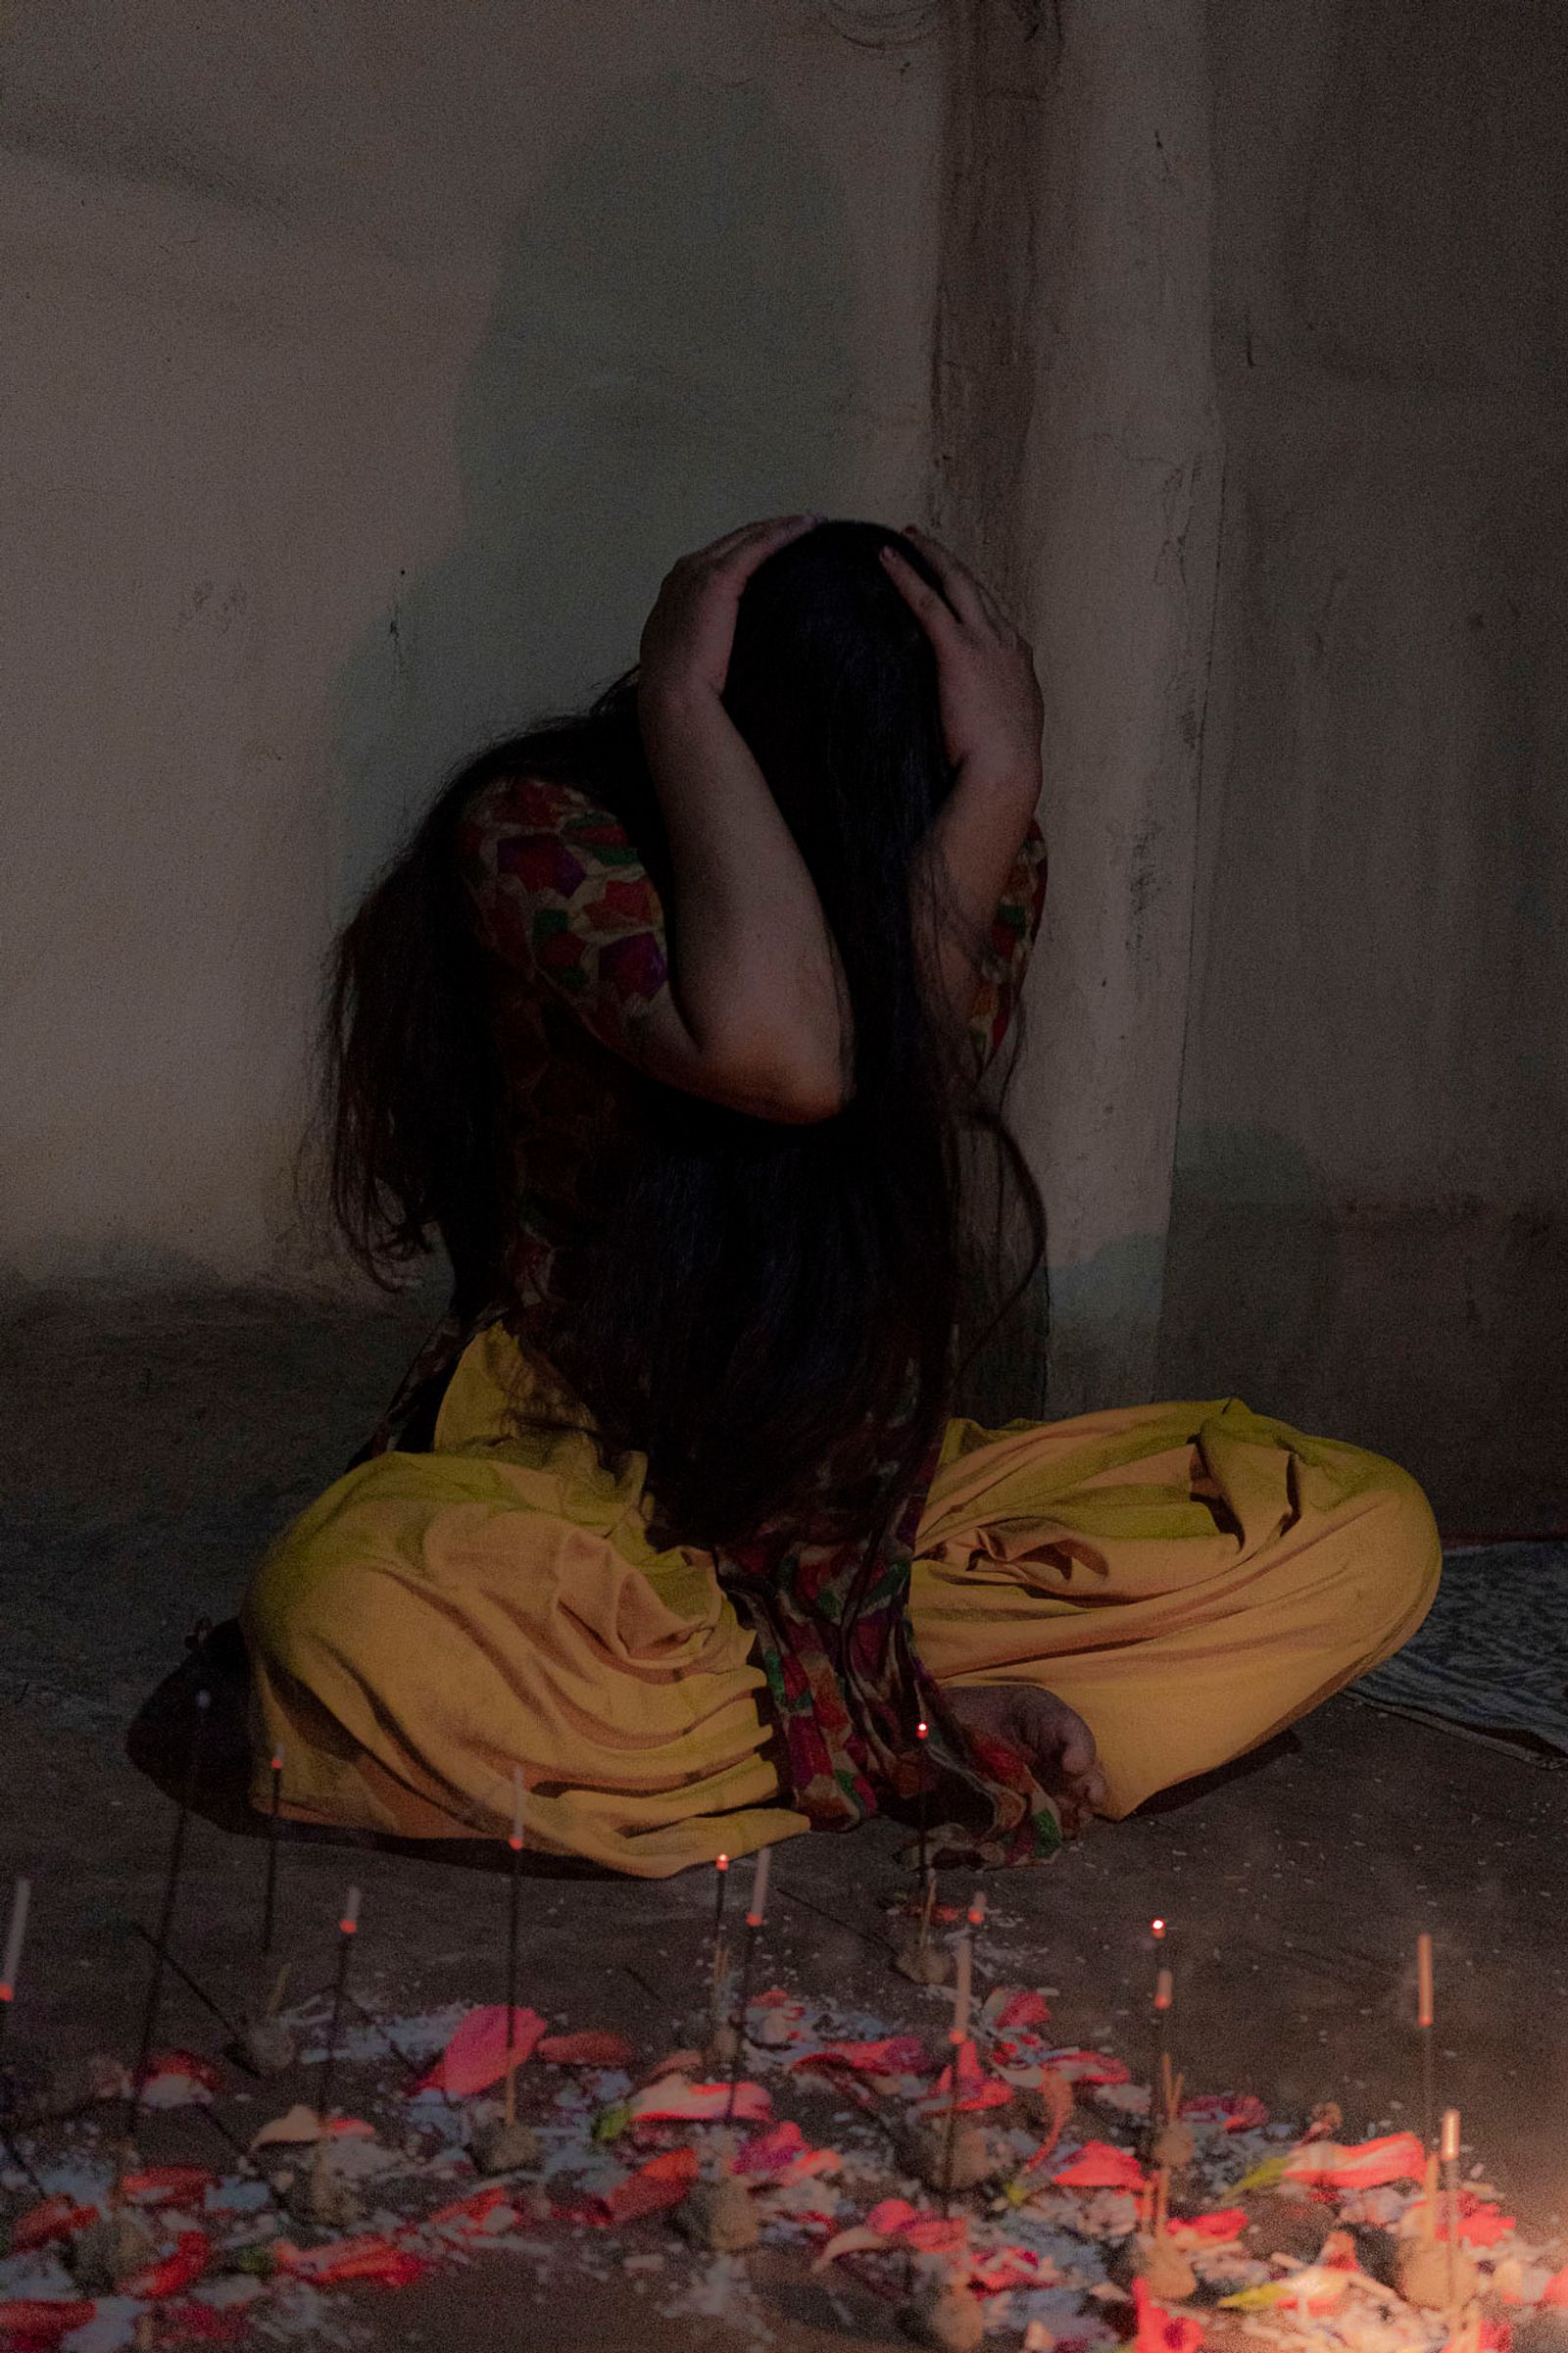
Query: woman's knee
[300,1610]
[1404,1553]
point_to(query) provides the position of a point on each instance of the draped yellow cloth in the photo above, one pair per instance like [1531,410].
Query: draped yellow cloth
[1190,1577]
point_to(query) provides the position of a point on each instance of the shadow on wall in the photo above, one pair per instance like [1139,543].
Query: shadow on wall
[667,356]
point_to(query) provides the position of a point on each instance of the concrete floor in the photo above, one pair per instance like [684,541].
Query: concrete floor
[154,1446]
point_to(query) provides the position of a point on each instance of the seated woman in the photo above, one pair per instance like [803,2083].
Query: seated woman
[669,1025]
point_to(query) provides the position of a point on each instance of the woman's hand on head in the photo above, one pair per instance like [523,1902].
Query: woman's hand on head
[992,709]
[688,635]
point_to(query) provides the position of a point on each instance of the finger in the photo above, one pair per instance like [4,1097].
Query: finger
[927,602]
[962,590]
[959,577]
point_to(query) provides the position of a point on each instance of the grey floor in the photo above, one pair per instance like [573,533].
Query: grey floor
[153,1446]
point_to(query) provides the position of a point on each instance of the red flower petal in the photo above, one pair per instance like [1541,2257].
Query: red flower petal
[593,2047]
[476,2056]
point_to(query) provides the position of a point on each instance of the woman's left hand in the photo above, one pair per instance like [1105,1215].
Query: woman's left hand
[992,707]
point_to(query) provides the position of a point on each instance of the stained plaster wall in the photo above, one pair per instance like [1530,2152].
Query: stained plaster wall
[374,370]
[1370,1219]
[373,363]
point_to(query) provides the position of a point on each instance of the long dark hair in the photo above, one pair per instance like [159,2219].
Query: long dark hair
[763,1291]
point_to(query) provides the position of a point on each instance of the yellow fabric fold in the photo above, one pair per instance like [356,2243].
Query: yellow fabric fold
[1190,1577]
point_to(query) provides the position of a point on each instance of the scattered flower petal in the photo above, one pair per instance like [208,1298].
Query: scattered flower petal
[476,2056]
[169,2184]
[1023,2010]
[1162,2331]
[1101,2165]
[54,2219]
[1395,2157]
[673,2100]
[595,2046]
[661,2182]
[174,2273]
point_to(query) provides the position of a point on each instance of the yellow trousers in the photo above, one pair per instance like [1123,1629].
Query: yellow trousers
[1190,1577]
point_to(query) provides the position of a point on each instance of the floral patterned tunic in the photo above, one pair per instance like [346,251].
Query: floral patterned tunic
[574,931]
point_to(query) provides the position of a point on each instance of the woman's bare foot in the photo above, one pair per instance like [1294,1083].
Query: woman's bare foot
[1056,1741]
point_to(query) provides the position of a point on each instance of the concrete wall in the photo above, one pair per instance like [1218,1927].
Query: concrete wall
[373,364]
[1370,1225]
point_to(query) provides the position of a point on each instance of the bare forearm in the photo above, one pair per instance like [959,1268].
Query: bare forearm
[959,874]
[753,966]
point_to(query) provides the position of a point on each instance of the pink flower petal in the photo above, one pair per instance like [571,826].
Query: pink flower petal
[770,2153]
[1024,2010]
[659,2184]
[476,2056]
[1236,2111]
[593,2047]
[1162,2331]
[670,2100]
[1368,2165]
[1101,2165]
[1087,2067]
[894,2055]
[976,2089]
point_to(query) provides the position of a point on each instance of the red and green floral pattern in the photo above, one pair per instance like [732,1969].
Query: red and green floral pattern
[575,933]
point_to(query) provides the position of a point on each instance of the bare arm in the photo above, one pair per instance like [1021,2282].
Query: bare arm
[756,983]
[756,1012]
[957,879]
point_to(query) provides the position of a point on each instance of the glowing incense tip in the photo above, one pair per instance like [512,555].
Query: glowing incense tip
[922,1731]
[1156,1928]
[277,1762]
[722,1862]
[1423,1982]
[1164,1986]
[349,1924]
[977,1909]
[759,1902]
[515,1839]
[12,1962]
[1450,2136]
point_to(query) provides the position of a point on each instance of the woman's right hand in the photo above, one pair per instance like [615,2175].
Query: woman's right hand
[687,637]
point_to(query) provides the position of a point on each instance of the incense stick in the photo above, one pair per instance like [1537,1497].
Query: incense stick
[416,2068]
[718,1966]
[10,1971]
[189,1982]
[269,1883]
[755,1912]
[1450,2194]
[958,2031]
[1160,2071]
[923,1734]
[166,1917]
[11,1964]
[348,1928]
[513,1899]
[1424,2015]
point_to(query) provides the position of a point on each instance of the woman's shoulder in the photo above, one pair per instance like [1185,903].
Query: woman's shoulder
[521,797]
